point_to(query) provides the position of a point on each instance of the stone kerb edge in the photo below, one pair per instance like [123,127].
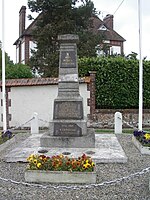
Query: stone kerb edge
[39,176]
[140,147]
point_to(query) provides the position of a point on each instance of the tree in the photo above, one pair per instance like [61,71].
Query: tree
[14,70]
[18,71]
[61,17]
[7,59]
[132,56]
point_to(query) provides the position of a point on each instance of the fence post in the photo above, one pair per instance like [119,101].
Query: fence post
[34,124]
[118,122]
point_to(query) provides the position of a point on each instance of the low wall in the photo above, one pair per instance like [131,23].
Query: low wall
[104,118]
[26,96]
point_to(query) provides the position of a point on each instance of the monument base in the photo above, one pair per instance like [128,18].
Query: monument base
[68,128]
[84,141]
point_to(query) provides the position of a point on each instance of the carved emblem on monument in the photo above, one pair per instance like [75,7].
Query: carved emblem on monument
[67,59]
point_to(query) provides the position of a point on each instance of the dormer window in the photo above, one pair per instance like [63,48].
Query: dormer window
[102,28]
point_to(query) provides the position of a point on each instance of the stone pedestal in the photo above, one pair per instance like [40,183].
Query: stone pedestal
[68,127]
[84,141]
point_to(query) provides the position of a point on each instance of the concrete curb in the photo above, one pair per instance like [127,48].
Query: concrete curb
[41,176]
[140,147]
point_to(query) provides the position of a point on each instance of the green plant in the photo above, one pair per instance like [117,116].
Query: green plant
[2,140]
[18,71]
[143,137]
[59,17]
[5,135]
[117,81]
[60,163]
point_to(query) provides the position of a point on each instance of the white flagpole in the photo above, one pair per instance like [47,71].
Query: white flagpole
[140,68]
[3,69]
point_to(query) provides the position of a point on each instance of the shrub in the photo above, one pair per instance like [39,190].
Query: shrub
[117,81]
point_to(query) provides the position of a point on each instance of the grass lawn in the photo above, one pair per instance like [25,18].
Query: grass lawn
[128,131]
[2,140]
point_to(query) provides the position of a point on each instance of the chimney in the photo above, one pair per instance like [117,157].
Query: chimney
[109,21]
[22,20]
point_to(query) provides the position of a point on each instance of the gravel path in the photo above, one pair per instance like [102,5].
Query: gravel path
[132,188]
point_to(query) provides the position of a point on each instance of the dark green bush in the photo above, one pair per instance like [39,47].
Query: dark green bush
[117,81]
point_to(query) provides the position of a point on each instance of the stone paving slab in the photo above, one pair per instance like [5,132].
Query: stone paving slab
[107,150]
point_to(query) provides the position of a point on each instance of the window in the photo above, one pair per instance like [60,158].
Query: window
[102,28]
[106,41]
[23,53]
[115,50]
[17,54]
[32,46]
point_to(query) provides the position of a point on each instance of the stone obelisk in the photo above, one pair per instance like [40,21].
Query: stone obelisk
[68,127]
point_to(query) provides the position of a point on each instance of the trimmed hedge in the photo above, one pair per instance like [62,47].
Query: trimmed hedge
[117,81]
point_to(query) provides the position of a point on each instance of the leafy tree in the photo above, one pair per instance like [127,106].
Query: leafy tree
[18,71]
[132,55]
[7,59]
[14,70]
[61,17]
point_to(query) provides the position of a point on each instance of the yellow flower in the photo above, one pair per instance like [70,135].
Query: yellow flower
[35,161]
[45,159]
[61,156]
[60,162]
[30,158]
[39,165]
[87,165]
[147,136]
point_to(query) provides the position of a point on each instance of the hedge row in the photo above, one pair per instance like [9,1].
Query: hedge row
[117,81]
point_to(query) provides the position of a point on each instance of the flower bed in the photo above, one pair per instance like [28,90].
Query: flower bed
[60,169]
[5,135]
[141,140]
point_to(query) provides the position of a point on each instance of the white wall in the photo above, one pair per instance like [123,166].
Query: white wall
[26,100]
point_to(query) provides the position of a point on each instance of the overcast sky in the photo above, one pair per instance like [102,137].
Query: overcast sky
[125,23]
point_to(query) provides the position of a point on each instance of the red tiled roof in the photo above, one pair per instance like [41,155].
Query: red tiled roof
[109,34]
[30,82]
[34,82]
[97,22]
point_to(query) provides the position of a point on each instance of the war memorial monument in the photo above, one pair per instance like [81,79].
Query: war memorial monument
[68,127]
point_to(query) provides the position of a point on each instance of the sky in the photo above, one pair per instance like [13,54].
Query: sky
[126,23]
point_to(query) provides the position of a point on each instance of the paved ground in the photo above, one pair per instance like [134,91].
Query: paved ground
[107,149]
[115,181]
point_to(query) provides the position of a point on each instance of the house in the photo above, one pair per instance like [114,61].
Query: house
[112,42]
[24,43]
[111,39]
